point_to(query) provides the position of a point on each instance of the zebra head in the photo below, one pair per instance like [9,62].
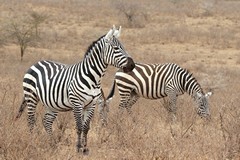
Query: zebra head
[114,52]
[202,101]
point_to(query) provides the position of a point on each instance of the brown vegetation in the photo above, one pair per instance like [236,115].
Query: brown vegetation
[202,36]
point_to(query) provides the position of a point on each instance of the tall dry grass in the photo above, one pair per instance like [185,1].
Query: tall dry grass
[150,136]
[201,38]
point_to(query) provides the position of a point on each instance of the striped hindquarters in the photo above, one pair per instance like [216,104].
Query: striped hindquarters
[47,81]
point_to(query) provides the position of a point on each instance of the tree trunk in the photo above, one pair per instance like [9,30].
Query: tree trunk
[22,52]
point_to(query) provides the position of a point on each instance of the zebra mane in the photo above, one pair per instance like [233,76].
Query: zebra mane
[193,78]
[92,45]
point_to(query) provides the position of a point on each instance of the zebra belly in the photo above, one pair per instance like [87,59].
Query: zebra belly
[151,95]
[140,90]
[54,98]
[59,103]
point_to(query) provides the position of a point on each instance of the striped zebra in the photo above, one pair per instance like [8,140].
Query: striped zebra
[154,81]
[75,87]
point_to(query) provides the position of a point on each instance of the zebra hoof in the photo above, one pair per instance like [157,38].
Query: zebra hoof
[78,148]
[85,151]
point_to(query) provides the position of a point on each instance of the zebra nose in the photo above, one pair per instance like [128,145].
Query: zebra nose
[129,66]
[207,116]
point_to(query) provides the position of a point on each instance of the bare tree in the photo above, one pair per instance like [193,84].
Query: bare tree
[132,11]
[23,34]
[25,31]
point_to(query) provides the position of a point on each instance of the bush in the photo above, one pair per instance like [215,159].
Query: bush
[133,13]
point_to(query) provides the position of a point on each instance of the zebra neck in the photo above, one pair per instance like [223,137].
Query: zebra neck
[93,67]
[192,86]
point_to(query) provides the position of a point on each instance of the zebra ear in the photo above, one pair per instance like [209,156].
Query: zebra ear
[207,95]
[114,28]
[109,35]
[117,32]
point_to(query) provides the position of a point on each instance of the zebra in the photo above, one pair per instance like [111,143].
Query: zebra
[76,87]
[155,81]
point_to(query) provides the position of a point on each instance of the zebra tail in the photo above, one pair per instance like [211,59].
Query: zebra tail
[111,94]
[21,109]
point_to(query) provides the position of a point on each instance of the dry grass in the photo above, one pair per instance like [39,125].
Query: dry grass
[202,37]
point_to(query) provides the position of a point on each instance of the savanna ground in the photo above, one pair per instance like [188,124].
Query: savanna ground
[202,36]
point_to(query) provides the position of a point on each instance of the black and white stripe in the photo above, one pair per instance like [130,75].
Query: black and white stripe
[74,87]
[154,81]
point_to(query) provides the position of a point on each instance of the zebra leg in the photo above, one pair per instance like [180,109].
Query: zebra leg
[31,105]
[87,116]
[125,98]
[172,97]
[77,110]
[103,109]
[104,115]
[131,101]
[48,119]
[86,128]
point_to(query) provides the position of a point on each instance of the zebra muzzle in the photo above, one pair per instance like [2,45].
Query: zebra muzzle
[129,66]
